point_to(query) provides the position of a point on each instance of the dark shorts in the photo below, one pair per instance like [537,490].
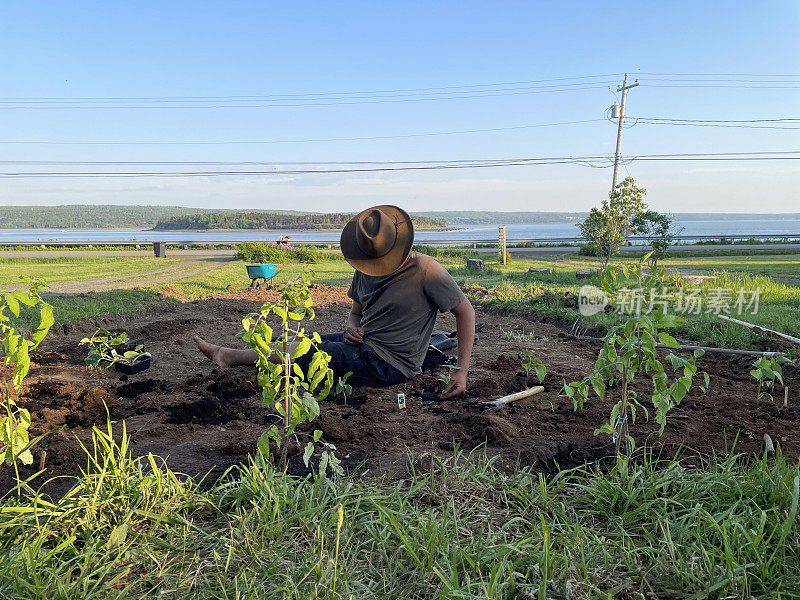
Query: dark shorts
[367,367]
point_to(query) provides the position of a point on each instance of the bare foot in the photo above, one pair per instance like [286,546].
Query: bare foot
[214,353]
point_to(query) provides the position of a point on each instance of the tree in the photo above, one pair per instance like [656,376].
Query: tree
[607,227]
[658,229]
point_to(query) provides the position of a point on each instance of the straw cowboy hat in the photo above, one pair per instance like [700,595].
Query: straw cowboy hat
[378,240]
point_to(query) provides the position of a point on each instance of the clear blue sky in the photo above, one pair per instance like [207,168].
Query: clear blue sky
[163,49]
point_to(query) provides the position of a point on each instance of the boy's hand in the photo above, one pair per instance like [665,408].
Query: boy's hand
[353,335]
[458,385]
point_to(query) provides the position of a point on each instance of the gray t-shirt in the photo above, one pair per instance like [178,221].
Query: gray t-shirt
[399,310]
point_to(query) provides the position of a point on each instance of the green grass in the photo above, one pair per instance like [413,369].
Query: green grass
[459,529]
[233,273]
[76,268]
[773,265]
[511,286]
[70,309]
[508,286]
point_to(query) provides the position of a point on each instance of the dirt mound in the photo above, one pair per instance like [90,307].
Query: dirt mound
[53,402]
[205,419]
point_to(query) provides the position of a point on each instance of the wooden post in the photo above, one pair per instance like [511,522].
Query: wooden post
[502,245]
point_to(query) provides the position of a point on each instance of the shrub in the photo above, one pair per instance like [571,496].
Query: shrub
[447,252]
[276,252]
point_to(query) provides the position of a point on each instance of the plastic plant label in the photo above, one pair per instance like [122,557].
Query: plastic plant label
[401,400]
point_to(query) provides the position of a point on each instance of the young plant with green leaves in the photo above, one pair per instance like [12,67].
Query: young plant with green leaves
[531,363]
[342,387]
[291,391]
[630,349]
[104,349]
[15,442]
[766,371]
[447,377]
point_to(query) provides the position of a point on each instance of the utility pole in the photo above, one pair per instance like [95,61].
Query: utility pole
[624,89]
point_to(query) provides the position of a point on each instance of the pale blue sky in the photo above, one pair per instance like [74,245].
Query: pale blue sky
[158,49]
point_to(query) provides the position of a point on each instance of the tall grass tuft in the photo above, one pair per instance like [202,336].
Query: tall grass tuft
[454,528]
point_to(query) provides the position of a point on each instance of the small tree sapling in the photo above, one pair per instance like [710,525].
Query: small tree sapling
[15,443]
[292,392]
[606,228]
[630,349]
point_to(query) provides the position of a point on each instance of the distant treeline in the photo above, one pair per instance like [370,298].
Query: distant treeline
[462,218]
[458,218]
[269,220]
[94,216]
[87,216]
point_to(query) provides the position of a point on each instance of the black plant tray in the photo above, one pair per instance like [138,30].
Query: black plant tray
[133,368]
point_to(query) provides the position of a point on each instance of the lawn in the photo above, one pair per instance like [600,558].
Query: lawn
[506,285]
[76,268]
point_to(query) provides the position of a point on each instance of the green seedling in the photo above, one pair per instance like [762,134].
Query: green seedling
[447,377]
[630,349]
[533,364]
[766,371]
[103,349]
[518,336]
[15,442]
[286,387]
[342,387]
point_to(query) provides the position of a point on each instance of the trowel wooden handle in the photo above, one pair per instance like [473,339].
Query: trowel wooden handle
[518,396]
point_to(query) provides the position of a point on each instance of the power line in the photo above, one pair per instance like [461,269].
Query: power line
[795,85]
[312,94]
[302,141]
[779,120]
[287,104]
[716,74]
[561,87]
[599,160]
[729,123]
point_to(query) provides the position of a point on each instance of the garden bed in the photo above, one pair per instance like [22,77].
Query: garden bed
[205,419]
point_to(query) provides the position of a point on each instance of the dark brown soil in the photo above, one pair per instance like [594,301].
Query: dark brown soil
[204,419]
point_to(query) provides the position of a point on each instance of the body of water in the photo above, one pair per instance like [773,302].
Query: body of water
[711,228]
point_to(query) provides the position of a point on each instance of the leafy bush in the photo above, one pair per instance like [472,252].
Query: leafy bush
[275,252]
[447,252]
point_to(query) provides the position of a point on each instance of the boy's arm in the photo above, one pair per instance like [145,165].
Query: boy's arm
[353,332]
[465,329]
